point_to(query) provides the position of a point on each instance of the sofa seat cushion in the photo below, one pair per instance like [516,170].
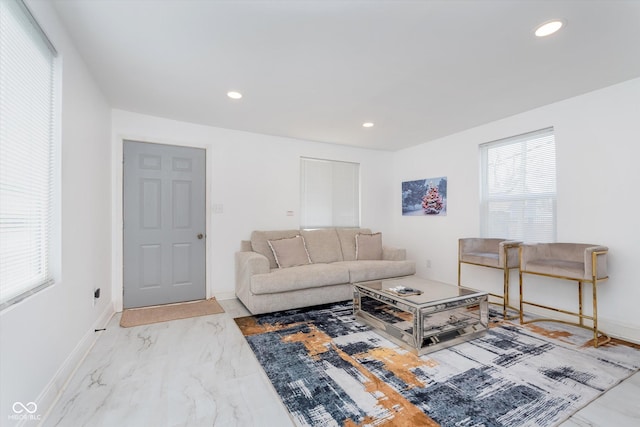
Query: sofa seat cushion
[299,277]
[363,271]
[557,267]
[482,258]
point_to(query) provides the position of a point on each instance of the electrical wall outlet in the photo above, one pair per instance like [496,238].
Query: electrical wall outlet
[428,263]
[96,295]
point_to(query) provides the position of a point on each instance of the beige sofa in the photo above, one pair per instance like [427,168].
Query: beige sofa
[278,271]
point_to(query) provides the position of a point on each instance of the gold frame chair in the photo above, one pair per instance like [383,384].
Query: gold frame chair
[544,259]
[501,254]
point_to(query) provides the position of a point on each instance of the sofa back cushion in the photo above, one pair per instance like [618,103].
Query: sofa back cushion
[323,245]
[260,244]
[347,237]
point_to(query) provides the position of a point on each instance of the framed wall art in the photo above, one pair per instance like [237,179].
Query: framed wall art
[425,197]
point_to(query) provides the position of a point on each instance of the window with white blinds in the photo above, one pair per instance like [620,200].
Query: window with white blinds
[26,153]
[518,195]
[330,193]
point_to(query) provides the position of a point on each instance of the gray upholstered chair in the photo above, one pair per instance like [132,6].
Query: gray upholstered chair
[571,261]
[494,253]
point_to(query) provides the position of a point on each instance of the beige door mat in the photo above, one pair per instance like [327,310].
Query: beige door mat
[163,313]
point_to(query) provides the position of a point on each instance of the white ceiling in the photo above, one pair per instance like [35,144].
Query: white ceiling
[316,70]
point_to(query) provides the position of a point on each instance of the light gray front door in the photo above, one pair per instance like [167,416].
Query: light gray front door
[164,224]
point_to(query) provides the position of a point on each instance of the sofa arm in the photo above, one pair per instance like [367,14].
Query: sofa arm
[599,269]
[393,254]
[252,263]
[247,264]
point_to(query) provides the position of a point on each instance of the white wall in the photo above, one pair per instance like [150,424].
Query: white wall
[597,139]
[43,337]
[256,179]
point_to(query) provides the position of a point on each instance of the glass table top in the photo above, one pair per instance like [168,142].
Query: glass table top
[431,291]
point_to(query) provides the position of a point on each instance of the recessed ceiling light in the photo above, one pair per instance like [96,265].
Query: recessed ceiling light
[367,125]
[549,28]
[234,95]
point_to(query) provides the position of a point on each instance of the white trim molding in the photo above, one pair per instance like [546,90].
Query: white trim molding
[52,392]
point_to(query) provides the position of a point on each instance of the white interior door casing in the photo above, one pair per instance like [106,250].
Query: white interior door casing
[164,224]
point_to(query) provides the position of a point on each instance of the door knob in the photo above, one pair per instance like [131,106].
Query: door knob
[200,236]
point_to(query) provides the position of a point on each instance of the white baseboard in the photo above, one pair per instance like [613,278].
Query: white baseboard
[612,328]
[52,392]
[623,331]
[225,295]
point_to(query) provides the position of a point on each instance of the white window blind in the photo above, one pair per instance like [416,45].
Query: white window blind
[518,199]
[26,153]
[330,193]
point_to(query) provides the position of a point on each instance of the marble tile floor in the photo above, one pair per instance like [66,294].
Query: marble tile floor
[201,372]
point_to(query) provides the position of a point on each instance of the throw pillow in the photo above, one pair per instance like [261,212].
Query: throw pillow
[290,252]
[368,246]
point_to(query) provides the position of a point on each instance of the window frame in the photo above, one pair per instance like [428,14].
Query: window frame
[524,230]
[48,221]
[354,185]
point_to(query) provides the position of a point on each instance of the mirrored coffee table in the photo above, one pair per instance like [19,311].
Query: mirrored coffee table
[439,316]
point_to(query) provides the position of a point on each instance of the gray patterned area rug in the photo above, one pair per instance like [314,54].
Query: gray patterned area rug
[330,370]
